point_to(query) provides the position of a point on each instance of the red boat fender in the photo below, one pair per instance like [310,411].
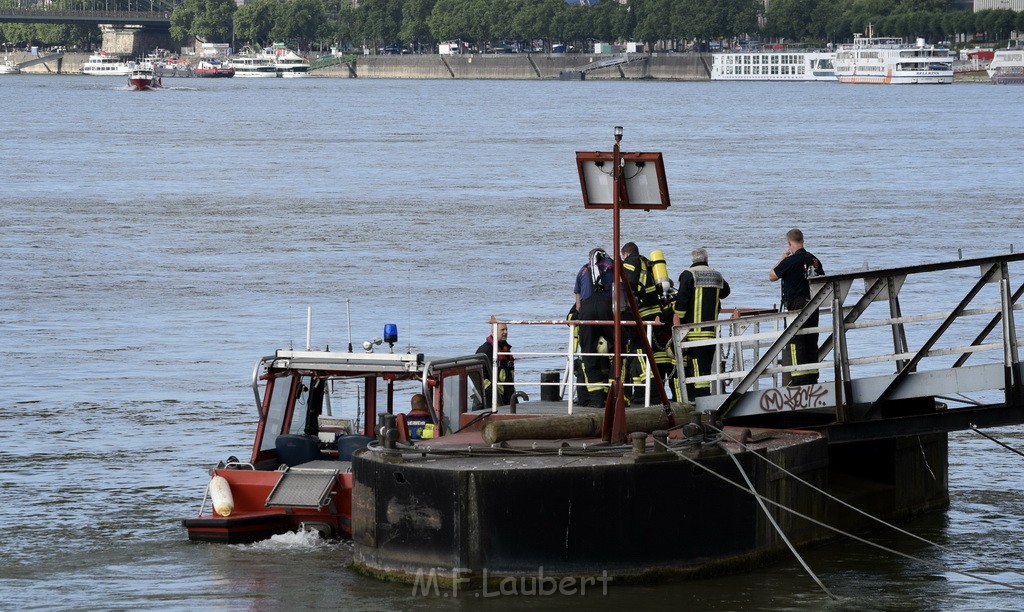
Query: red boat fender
[220,493]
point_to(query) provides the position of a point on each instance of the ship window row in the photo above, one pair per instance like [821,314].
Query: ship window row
[764,70]
[764,59]
[925,53]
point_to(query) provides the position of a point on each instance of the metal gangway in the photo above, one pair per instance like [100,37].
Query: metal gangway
[915,349]
[42,59]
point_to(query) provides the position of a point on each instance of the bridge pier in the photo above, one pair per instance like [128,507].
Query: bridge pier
[134,39]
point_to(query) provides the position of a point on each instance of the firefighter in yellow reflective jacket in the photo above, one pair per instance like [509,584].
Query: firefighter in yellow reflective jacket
[701,290]
[506,367]
[640,279]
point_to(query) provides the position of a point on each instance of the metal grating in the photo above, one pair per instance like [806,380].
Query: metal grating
[302,490]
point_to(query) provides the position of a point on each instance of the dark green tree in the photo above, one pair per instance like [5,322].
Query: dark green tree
[414,30]
[254,21]
[651,23]
[297,22]
[207,20]
[378,22]
[789,18]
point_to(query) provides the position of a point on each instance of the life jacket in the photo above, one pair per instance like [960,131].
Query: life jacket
[420,424]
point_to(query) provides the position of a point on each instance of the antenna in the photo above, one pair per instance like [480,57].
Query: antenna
[309,325]
[348,313]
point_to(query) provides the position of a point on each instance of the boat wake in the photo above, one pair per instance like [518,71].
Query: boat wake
[293,540]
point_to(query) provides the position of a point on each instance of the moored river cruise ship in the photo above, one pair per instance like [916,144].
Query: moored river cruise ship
[889,60]
[1007,66]
[773,65]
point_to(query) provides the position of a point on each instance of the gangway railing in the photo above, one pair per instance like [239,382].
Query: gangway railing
[562,359]
[890,337]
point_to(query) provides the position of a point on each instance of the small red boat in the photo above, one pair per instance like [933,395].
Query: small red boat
[213,69]
[142,78]
[299,476]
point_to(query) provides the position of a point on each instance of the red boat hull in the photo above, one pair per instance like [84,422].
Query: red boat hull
[144,84]
[252,520]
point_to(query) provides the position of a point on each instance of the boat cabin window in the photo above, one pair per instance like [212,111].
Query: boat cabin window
[306,407]
[279,390]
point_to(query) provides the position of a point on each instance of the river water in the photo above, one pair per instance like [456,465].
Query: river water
[155,244]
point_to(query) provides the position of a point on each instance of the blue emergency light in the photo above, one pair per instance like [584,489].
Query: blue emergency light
[390,333]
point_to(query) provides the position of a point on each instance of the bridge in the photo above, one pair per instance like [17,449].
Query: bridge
[904,351]
[156,19]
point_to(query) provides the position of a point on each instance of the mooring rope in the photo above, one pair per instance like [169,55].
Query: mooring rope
[960,397]
[854,508]
[779,505]
[975,429]
[782,534]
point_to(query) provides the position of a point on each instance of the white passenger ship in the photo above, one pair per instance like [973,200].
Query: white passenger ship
[291,64]
[773,65]
[1007,66]
[252,65]
[104,64]
[888,60]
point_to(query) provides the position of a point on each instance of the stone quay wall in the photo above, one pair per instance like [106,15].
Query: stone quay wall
[678,67]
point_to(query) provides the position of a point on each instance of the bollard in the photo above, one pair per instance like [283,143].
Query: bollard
[639,439]
[388,431]
[660,441]
[549,392]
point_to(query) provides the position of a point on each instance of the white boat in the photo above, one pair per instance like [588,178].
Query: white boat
[773,65]
[1007,66]
[253,65]
[9,67]
[291,64]
[889,60]
[103,64]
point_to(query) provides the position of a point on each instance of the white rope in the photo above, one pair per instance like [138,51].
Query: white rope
[771,519]
[975,429]
[840,531]
[854,508]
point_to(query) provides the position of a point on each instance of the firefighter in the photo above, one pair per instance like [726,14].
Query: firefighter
[699,299]
[593,291]
[506,367]
[640,280]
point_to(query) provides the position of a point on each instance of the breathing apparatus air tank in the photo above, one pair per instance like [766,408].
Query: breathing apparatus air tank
[660,270]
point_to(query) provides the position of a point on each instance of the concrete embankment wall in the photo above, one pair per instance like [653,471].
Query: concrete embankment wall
[71,63]
[680,67]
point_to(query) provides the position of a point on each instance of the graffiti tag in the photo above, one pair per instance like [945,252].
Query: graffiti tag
[794,398]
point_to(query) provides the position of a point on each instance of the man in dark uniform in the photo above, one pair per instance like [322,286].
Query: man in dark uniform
[794,268]
[506,367]
[640,280]
[593,291]
[701,290]
[419,420]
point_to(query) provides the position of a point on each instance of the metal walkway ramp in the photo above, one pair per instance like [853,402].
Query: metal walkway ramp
[41,60]
[618,60]
[894,347]
[307,486]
